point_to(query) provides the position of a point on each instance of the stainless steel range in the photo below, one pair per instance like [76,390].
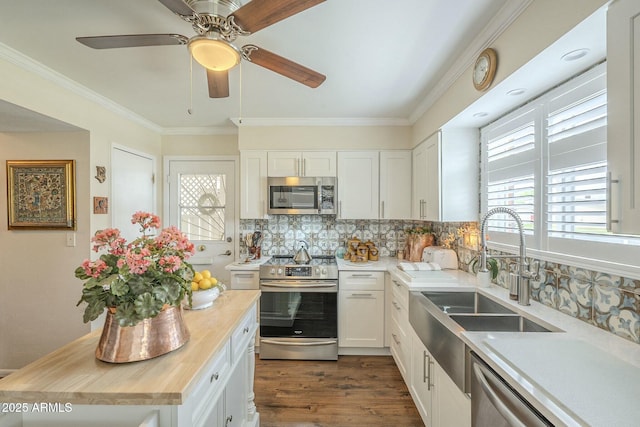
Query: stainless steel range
[299,309]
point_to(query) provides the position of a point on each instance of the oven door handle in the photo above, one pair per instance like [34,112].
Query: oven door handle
[297,284]
[299,344]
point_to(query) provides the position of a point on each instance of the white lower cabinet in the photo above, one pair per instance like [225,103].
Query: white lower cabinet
[438,399]
[421,384]
[361,309]
[400,345]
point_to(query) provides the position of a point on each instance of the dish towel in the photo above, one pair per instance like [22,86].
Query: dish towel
[418,266]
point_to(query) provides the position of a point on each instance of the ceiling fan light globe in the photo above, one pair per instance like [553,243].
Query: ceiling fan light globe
[214,54]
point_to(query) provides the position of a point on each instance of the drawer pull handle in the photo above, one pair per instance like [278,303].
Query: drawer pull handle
[214,377]
[395,338]
[395,304]
[245,330]
[228,420]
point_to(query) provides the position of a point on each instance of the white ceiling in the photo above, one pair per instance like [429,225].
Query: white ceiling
[383,59]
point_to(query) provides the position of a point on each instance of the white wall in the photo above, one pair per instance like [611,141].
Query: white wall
[38,290]
[324,137]
[541,24]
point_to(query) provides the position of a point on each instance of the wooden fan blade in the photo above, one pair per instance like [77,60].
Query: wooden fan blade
[178,7]
[283,66]
[132,40]
[218,83]
[258,14]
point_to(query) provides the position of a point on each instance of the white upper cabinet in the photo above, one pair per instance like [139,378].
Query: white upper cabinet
[445,176]
[305,163]
[623,121]
[253,184]
[395,184]
[358,184]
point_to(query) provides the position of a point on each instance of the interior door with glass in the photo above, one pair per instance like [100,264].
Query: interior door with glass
[202,204]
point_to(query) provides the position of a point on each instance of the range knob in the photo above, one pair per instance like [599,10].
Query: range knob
[324,271]
[317,271]
[279,272]
[272,271]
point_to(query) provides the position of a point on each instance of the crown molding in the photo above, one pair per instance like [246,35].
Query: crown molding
[21,60]
[498,24]
[214,130]
[336,121]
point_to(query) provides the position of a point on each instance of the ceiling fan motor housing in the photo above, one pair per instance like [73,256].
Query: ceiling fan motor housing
[215,7]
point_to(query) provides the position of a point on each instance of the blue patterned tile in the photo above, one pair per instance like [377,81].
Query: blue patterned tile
[575,298]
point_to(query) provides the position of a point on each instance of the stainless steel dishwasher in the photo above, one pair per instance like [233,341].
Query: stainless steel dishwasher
[495,404]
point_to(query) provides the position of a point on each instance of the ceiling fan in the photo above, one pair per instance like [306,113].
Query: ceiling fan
[217,24]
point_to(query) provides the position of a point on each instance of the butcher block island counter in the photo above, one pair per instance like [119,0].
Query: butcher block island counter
[207,382]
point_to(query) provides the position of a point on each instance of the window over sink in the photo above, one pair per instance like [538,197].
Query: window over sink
[547,160]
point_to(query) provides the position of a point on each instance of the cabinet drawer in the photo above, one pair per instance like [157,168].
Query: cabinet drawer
[210,387]
[242,334]
[400,292]
[365,280]
[400,347]
[245,280]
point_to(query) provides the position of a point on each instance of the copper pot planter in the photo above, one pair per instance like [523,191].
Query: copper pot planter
[148,339]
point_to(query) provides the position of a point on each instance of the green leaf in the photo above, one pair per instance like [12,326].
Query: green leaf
[93,310]
[119,288]
[147,306]
[126,314]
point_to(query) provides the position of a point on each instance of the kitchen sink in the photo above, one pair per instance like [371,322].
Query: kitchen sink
[496,323]
[440,317]
[465,302]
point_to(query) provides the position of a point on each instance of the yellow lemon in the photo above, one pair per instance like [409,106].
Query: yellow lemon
[194,286]
[205,284]
[206,274]
[197,277]
[214,281]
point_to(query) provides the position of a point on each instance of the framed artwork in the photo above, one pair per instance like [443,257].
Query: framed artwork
[41,194]
[100,205]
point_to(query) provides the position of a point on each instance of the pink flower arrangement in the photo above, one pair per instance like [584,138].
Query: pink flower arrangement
[138,278]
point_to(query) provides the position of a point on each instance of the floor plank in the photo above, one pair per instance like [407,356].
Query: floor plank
[354,391]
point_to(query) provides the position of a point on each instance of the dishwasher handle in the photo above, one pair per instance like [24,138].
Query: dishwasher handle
[502,406]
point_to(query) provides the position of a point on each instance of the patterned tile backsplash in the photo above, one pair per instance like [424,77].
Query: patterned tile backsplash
[605,301]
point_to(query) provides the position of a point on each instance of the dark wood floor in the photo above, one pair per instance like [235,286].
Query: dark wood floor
[354,391]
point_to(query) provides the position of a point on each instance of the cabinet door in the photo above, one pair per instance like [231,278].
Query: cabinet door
[451,407]
[623,131]
[319,163]
[358,188]
[395,184]
[421,378]
[235,395]
[431,208]
[284,163]
[361,318]
[419,181]
[253,184]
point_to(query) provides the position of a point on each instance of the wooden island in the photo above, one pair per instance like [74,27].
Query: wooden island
[207,382]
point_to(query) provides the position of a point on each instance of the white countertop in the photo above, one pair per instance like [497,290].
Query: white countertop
[584,376]
[247,266]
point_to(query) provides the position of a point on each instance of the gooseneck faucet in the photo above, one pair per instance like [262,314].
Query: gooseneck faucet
[524,275]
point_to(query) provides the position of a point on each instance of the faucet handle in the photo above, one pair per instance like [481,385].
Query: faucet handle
[532,270]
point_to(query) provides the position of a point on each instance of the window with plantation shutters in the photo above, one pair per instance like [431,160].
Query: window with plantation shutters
[577,162]
[510,164]
[548,161]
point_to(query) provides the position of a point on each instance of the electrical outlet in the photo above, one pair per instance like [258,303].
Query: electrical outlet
[71,239]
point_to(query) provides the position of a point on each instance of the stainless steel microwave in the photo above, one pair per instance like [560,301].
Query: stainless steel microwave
[302,195]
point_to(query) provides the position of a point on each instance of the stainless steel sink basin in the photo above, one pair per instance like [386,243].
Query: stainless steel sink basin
[497,323]
[465,302]
[439,319]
